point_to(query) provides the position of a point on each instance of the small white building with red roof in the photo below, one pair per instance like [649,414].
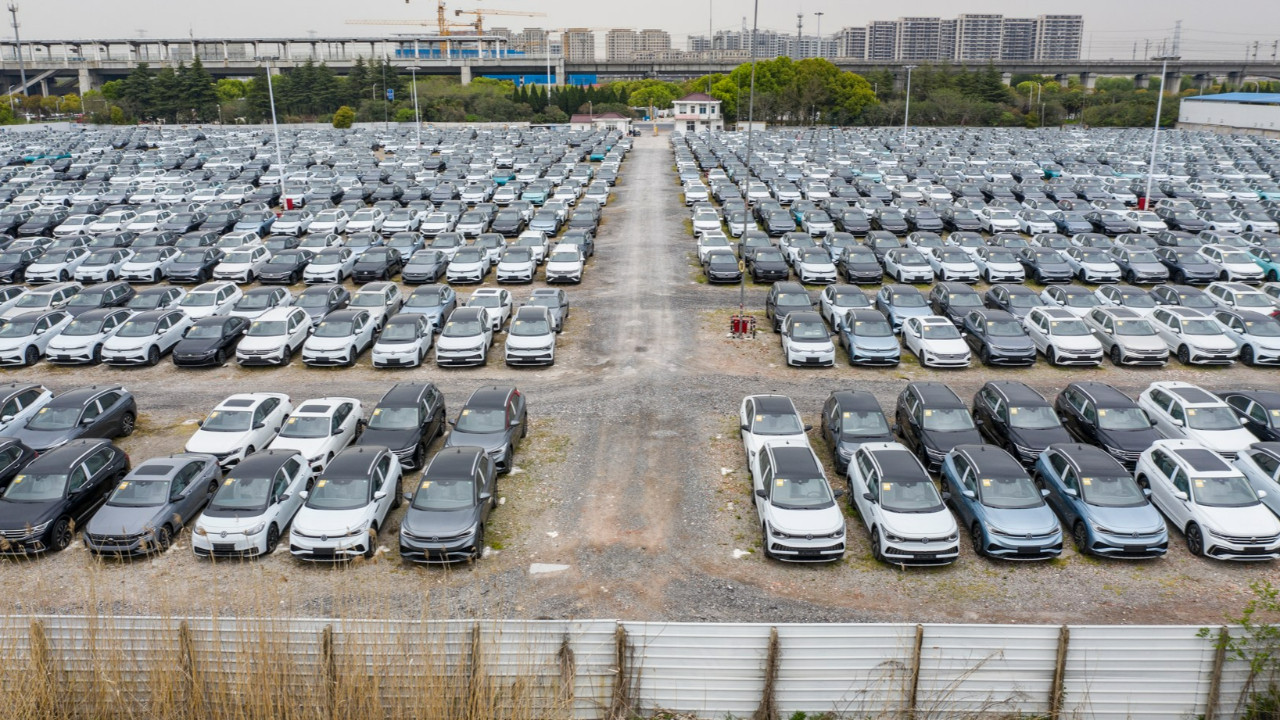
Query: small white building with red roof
[697,112]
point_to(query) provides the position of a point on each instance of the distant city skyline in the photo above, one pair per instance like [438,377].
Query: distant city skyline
[1111,30]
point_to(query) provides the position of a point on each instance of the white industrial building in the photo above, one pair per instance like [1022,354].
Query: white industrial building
[1248,113]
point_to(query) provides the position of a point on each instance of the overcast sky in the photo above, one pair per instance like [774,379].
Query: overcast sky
[1209,29]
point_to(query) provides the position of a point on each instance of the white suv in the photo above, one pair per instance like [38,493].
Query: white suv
[274,336]
[320,429]
[902,509]
[1182,410]
[239,425]
[799,518]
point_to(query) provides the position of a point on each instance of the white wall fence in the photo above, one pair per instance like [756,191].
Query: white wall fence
[710,670]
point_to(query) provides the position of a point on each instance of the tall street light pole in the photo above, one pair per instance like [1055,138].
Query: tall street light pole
[906,113]
[1155,131]
[417,119]
[819,14]
[17,41]
[271,96]
[751,124]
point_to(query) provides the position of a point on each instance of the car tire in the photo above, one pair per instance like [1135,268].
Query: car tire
[984,356]
[155,276]
[877,553]
[351,357]
[1184,355]
[164,538]
[153,356]
[63,276]
[479,546]
[273,539]
[286,355]
[128,424]
[213,487]
[1272,276]
[61,534]
[419,456]
[1051,355]
[1179,277]
[979,543]
[219,357]
[1080,534]
[1195,540]
[370,547]
[1247,355]
[1117,357]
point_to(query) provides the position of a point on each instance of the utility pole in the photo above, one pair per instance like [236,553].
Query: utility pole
[906,112]
[1146,47]
[1255,51]
[1155,133]
[1177,37]
[17,41]
[819,14]
[799,32]
[751,124]
[1135,50]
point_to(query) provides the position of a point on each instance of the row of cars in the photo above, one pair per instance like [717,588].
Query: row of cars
[325,325]
[258,470]
[1017,474]
[1011,325]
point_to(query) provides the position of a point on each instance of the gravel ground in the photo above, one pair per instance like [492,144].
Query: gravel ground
[632,477]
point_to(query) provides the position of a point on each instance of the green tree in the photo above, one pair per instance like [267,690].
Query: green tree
[135,91]
[166,94]
[229,89]
[199,99]
[343,117]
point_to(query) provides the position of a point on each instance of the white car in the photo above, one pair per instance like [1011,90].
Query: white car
[56,265]
[564,264]
[497,304]
[340,338]
[436,223]
[1062,337]
[1232,263]
[767,419]
[1238,296]
[239,426]
[1261,464]
[908,521]
[935,341]
[330,265]
[380,299]
[799,517]
[147,221]
[712,241]
[238,240]
[24,338]
[146,337]
[74,225]
[517,265]
[103,265]
[253,506]
[334,220]
[806,340]
[997,265]
[404,342]
[813,266]
[531,339]
[1195,337]
[82,341]
[320,429]
[907,265]
[273,337]
[954,265]
[1255,334]
[211,298]
[705,221]
[113,221]
[345,509]
[1182,410]
[259,300]
[466,338]
[1212,502]
[295,222]
[1145,221]
[469,264]
[402,220]
[148,264]
[535,240]
[1092,265]
[1036,222]
[997,219]
[242,265]
[50,297]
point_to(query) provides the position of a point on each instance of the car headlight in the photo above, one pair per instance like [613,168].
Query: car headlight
[778,533]
[890,537]
[358,530]
[1105,530]
[200,531]
[952,537]
[256,529]
[38,529]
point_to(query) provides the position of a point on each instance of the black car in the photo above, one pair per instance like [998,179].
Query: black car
[184,222]
[11,221]
[43,221]
[318,301]
[269,194]
[259,221]
[14,457]
[722,267]
[784,298]
[1071,223]
[960,219]
[97,411]
[1107,222]
[779,222]
[768,265]
[120,239]
[209,341]
[1017,300]
[194,265]
[858,265]
[379,263]
[425,266]
[1100,415]
[584,239]
[509,223]
[1184,296]
[1186,266]
[850,418]
[1018,419]
[881,242]
[923,218]
[931,420]
[104,295]
[160,238]
[1181,219]
[14,263]
[954,300]
[1258,410]
[285,268]
[853,220]
[406,420]
[997,338]
[494,418]
[57,492]
[891,219]
[223,221]
[448,510]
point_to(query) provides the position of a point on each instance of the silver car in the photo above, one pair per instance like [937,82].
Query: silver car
[1127,336]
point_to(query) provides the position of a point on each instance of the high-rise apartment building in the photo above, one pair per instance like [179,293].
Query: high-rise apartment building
[978,37]
[1058,37]
[621,44]
[579,45]
[1018,39]
[882,40]
[851,42]
[918,39]
[653,40]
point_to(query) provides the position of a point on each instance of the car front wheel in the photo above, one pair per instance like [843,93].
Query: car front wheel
[1195,540]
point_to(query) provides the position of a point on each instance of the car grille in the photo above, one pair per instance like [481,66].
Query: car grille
[15,534]
[779,547]
[224,549]
[1248,540]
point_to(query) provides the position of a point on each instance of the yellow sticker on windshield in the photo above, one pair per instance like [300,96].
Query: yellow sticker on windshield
[1102,413]
[928,413]
[848,415]
[377,411]
[1199,483]
[1087,481]
[781,482]
[19,479]
[426,484]
[1013,411]
[1191,412]
[886,486]
[1275,413]
[986,482]
[321,483]
[213,414]
[466,413]
[123,485]
[229,481]
[43,411]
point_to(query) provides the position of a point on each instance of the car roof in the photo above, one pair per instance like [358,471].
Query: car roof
[321,405]
[66,455]
[856,400]
[897,462]
[1089,459]
[355,461]
[244,400]
[1054,313]
[794,459]
[1192,394]
[262,461]
[345,314]
[402,394]
[493,396]
[936,394]
[1266,398]
[464,312]
[454,461]
[1122,313]
[1104,395]
[990,460]
[1017,392]
[78,396]
[1202,459]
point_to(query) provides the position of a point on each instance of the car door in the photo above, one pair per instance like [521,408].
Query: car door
[386,481]
[831,422]
[362,331]
[960,501]
[186,496]
[342,427]
[264,427]
[294,478]
[762,478]
[96,483]
[297,327]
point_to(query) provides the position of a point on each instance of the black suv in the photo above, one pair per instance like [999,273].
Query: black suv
[59,491]
[1100,415]
[447,512]
[931,420]
[494,418]
[850,418]
[407,418]
[784,298]
[997,338]
[954,300]
[1018,419]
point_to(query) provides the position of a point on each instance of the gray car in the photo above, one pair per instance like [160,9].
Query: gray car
[448,510]
[152,504]
[556,301]
[1126,336]
[494,418]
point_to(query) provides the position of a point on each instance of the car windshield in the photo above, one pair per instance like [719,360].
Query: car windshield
[334,329]
[306,426]
[947,419]
[139,328]
[768,256]
[861,423]
[149,255]
[342,493]
[802,493]
[1229,491]
[809,331]
[141,492]
[968,299]
[940,331]
[445,494]
[256,301]
[329,256]
[1264,328]
[369,299]
[199,299]
[1013,493]
[360,240]
[1117,491]
[190,257]
[36,488]
[1041,417]
[1237,258]
[1002,257]
[17,328]
[530,328]
[265,328]
[481,420]
[313,300]
[1003,328]
[851,300]
[205,332]
[1199,301]
[1212,418]
[1200,326]
[55,418]
[399,332]
[83,327]
[872,328]
[559,257]
[1130,418]
[395,418]
[1068,328]
[910,496]
[1254,300]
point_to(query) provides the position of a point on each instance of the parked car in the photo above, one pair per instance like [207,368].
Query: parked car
[495,418]
[1181,410]
[449,507]
[96,411]
[253,505]
[1003,510]
[239,426]
[344,510]
[849,419]
[931,420]
[151,505]
[900,507]
[407,419]
[58,492]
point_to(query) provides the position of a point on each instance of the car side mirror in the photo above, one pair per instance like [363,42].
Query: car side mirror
[968,493]
[304,494]
[408,497]
[282,497]
[259,425]
[1072,493]
[762,494]
[1181,495]
[1177,423]
[6,418]
[87,421]
[869,497]
[807,428]
[380,495]
[1146,492]
[1262,494]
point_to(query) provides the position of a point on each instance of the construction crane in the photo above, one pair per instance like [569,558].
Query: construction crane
[443,26]
[478,23]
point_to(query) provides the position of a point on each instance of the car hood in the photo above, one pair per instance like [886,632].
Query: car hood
[1142,342]
[1082,343]
[333,523]
[16,516]
[1129,440]
[1141,519]
[329,343]
[128,343]
[459,343]
[1210,342]
[525,342]
[463,267]
[488,441]
[876,343]
[956,346]
[309,447]
[42,440]
[512,266]
[947,439]
[1011,344]
[15,343]
[1039,438]
[439,523]
[1220,440]
[197,345]
[260,342]
[179,267]
[214,443]
[1253,519]
[818,522]
[934,525]
[117,520]
[394,439]
[1038,520]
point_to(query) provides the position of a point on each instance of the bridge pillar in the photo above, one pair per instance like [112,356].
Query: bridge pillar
[466,73]
[561,79]
[86,81]
[1089,80]
[1141,80]
[1006,78]
[1235,78]
[1062,79]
